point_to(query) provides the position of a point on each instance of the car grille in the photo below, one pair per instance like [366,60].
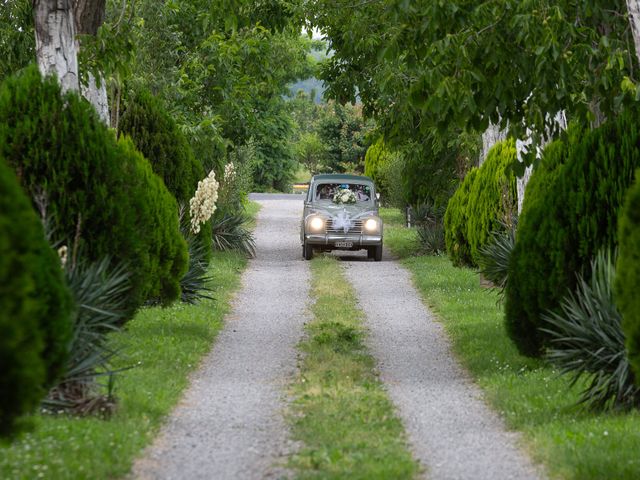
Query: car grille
[356,227]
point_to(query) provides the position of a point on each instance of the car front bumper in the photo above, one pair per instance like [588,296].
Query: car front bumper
[330,240]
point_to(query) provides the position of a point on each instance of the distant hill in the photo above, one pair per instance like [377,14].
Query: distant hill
[307,86]
[312,83]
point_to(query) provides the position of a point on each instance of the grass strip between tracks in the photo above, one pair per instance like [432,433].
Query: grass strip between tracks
[529,394]
[164,345]
[341,413]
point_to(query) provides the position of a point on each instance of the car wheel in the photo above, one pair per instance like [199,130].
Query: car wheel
[307,251]
[371,252]
[377,255]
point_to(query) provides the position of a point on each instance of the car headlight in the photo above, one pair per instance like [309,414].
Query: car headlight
[372,225]
[316,224]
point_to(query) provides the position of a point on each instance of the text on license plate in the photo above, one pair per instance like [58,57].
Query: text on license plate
[344,244]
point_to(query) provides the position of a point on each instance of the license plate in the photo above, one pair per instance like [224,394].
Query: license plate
[344,244]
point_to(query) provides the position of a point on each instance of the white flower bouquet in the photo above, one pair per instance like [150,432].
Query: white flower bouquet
[344,196]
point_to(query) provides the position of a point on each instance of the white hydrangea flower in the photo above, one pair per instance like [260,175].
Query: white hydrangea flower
[203,204]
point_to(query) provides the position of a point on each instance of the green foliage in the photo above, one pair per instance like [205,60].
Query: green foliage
[456,219]
[420,64]
[101,195]
[628,276]
[17,38]
[229,232]
[494,256]
[343,131]
[586,340]
[482,204]
[157,136]
[237,181]
[35,306]
[309,151]
[569,213]
[377,164]
[274,166]
[492,199]
[100,291]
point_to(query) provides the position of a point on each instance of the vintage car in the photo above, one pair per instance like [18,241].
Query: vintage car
[341,213]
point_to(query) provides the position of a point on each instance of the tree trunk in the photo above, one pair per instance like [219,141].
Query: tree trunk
[89,16]
[633,6]
[97,96]
[56,47]
[522,146]
[490,137]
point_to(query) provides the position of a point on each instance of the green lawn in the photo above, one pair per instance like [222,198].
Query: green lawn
[341,413]
[529,394]
[163,345]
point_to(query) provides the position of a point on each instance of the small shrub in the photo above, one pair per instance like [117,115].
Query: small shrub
[586,340]
[102,194]
[431,238]
[100,291]
[456,218]
[494,256]
[428,219]
[157,136]
[229,233]
[569,213]
[628,278]
[35,307]
[237,179]
[492,198]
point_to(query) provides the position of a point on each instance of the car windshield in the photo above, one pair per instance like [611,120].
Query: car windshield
[329,191]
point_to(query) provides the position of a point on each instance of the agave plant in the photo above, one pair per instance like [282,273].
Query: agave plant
[587,340]
[194,284]
[229,233]
[427,213]
[100,291]
[494,257]
[431,238]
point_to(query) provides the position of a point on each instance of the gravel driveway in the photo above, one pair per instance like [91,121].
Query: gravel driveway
[229,424]
[452,432]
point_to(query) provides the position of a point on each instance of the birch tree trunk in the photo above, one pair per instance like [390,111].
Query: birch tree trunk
[56,47]
[490,137]
[633,7]
[522,146]
[89,16]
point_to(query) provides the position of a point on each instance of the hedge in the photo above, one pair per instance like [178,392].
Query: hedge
[98,191]
[492,198]
[456,219]
[570,212]
[627,283]
[35,306]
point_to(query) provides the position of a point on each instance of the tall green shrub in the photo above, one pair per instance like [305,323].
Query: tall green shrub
[35,306]
[456,219]
[566,218]
[627,283]
[100,192]
[157,136]
[492,198]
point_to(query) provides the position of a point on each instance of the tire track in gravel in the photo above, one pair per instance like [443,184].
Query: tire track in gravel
[229,424]
[451,430]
